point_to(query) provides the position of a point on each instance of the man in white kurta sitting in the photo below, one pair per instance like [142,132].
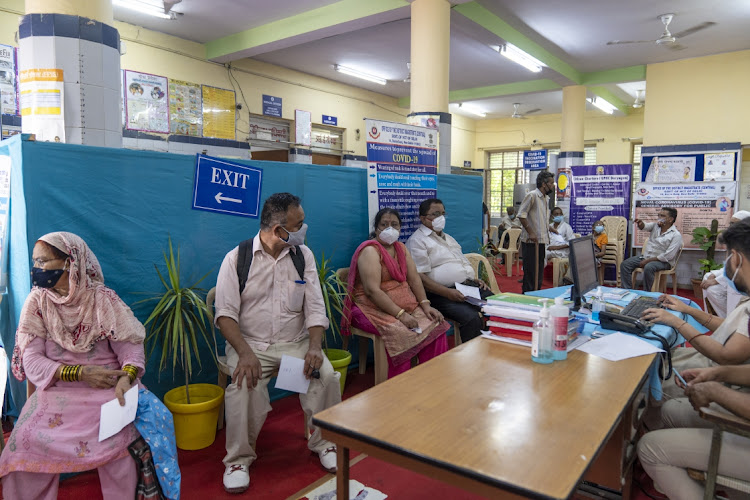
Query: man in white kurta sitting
[560,233]
[279,312]
[715,290]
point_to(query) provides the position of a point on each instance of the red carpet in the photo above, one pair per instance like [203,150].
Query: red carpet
[285,466]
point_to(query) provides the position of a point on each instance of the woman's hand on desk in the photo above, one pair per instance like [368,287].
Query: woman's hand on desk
[662,316]
[673,303]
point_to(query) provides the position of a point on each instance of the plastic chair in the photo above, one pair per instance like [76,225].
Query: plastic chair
[723,422]
[475,259]
[660,277]
[493,234]
[512,234]
[224,370]
[557,264]
[379,354]
[616,228]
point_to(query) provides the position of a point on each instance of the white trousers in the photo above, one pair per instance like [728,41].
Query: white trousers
[684,443]
[246,409]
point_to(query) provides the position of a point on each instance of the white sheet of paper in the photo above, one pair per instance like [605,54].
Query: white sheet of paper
[618,346]
[469,291]
[292,375]
[114,417]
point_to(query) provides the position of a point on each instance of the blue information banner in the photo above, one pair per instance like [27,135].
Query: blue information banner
[330,120]
[224,186]
[271,105]
[535,160]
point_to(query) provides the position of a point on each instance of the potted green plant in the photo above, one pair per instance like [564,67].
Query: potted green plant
[334,294]
[174,324]
[705,238]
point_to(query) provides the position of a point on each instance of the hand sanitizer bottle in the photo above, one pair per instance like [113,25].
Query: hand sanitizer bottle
[597,304]
[541,337]
[559,316]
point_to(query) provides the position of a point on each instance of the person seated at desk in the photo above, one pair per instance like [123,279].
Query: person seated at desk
[714,283]
[386,298]
[660,254]
[441,264]
[729,344]
[685,442]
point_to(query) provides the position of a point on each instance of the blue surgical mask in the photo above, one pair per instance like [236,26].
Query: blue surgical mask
[295,238]
[45,278]
[598,229]
[557,219]
[730,280]
[512,216]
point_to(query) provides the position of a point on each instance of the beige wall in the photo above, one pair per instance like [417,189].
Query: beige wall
[152,52]
[700,100]
[509,133]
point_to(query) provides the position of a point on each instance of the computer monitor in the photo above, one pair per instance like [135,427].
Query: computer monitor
[583,268]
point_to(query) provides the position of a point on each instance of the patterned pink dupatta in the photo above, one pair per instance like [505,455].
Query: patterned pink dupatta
[90,312]
[397,270]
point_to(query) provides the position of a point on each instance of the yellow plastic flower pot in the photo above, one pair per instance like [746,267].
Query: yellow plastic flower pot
[340,360]
[195,423]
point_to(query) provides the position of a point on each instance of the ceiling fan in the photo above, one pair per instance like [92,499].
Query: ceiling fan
[638,99]
[668,39]
[516,114]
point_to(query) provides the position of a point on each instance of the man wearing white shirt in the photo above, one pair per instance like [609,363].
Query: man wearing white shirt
[664,244]
[560,233]
[441,264]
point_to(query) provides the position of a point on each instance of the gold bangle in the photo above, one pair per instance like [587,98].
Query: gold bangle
[132,372]
[425,300]
[400,313]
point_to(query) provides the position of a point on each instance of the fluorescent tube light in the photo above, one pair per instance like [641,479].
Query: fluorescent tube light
[143,8]
[471,110]
[359,74]
[602,104]
[518,56]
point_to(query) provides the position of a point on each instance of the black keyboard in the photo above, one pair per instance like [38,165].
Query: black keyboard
[637,306]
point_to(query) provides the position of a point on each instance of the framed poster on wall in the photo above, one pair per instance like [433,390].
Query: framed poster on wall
[146,102]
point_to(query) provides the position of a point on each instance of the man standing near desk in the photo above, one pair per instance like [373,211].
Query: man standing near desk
[664,243]
[534,217]
[441,264]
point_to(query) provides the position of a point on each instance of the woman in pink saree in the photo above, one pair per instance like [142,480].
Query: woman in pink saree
[386,298]
[81,346]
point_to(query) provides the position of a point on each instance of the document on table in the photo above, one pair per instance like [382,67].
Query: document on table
[292,375]
[114,417]
[618,346]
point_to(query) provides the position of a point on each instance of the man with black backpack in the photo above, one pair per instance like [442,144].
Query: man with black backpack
[268,304]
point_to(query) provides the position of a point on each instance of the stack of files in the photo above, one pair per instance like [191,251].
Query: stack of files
[517,301]
[513,328]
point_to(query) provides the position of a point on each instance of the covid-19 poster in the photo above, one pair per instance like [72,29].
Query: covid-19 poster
[697,204]
[598,191]
[401,170]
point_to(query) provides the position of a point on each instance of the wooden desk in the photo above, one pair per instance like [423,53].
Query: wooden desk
[484,417]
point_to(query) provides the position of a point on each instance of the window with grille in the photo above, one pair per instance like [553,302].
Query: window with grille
[589,155]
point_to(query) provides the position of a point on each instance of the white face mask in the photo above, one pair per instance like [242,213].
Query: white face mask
[438,224]
[389,235]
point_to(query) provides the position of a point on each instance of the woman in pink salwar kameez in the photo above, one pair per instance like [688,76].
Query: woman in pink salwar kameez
[79,344]
[386,297]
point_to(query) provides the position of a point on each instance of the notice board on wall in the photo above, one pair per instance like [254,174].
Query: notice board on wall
[698,180]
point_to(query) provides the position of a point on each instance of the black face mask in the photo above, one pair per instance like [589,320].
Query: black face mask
[45,278]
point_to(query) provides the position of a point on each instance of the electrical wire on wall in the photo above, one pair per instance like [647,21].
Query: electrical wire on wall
[237,112]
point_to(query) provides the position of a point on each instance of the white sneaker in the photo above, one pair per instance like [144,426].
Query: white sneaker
[328,459]
[237,478]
